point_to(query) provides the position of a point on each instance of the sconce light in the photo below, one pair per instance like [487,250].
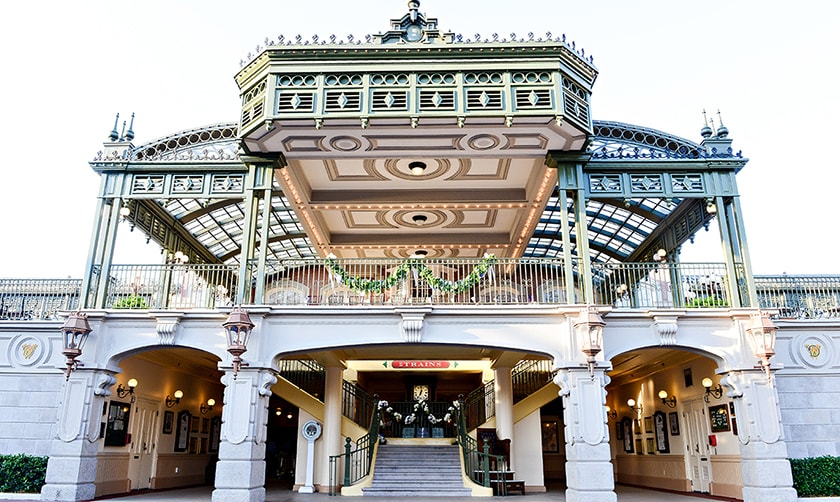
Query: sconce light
[660,255]
[671,402]
[74,333]
[611,413]
[172,401]
[238,327]
[590,330]
[631,403]
[207,407]
[417,168]
[123,391]
[711,208]
[715,392]
[763,337]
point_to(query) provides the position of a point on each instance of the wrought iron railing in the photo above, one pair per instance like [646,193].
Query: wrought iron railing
[479,406]
[356,404]
[529,376]
[364,282]
[665,285]
[306,374]
[37,299]
[357,459]
[168,286]
[800,297]
[478,461]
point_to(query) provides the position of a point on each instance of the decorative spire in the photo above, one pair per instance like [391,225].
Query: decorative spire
[413,6]
[706,131]
[114,134]
[130,134]
[722,131]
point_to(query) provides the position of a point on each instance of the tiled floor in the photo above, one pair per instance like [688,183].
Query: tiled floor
[283,494]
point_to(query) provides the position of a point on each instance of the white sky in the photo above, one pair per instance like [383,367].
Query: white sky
[771,68]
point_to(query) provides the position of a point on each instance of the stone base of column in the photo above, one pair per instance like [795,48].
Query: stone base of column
[590,481]
[68,493]
[590,496]
[769,494]
[239,494]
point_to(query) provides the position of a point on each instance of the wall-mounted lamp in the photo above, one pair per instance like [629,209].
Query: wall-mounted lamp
[631,403]
[238,327]
[711,208]
[125,210]
[670,402]
[590,330]
[173,400]
[207,407]
[129,391]
[715,392]
[763,336]
[74,333]
[417,168]
[660,255]
[611,413]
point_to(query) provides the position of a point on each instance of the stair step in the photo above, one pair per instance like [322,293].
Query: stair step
[417,471]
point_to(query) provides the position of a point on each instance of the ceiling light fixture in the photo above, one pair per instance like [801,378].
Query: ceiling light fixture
[417,168]
[419,219]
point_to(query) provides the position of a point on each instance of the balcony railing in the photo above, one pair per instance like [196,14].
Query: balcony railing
[352,283]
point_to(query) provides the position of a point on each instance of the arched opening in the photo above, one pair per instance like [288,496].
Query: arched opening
[668,429]
[160,427]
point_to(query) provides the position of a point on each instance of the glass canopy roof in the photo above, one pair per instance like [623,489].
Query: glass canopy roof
[615,231]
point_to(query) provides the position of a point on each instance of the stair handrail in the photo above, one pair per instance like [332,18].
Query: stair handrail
[529,376]
[476,461]
[357,462]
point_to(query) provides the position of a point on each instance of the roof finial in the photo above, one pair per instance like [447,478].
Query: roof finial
[114,134]
[413,5]
[722,131]
[130,134]
[706,131]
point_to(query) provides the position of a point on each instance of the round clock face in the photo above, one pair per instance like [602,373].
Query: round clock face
[311,430]
[413,33]
[421,392]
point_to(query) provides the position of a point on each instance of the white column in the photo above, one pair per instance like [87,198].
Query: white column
[240,471]
[71,469]
[332,425]
[504,407]
[765,469]
[589,473]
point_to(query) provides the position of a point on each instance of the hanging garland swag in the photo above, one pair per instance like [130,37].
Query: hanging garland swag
[401,272]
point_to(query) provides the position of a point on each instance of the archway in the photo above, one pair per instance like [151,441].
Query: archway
[668,430]
[160,428]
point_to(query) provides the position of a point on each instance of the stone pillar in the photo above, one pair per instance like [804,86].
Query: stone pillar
[765,469]
[504,407]
[71,469]
[240,471]
[589,473]
[333,445]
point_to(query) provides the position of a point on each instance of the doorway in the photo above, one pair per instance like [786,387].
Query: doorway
[143,429]
[698,459]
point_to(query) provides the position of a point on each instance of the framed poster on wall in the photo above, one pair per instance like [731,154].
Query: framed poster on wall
[116,428]
[660,433]
[168,421]
[674,423]
[182,431]
[550,437]
[719,417]
[627,424]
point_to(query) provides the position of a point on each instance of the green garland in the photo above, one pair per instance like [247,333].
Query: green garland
[401,272]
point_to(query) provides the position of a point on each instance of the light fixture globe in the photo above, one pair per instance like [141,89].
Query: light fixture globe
[762,333]
[590,331]
[238,327]
[417,168]
[74,333]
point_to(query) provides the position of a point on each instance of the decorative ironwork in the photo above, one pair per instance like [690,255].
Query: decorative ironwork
[619,141]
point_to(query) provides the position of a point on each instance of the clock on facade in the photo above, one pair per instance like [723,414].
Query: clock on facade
[311,430]
[421,392]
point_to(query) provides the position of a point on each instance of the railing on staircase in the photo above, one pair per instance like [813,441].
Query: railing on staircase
[477,458]
[529,376]
[356,404]
[479,406]
[356,462]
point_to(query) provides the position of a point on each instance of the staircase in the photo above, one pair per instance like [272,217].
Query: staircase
[417,471]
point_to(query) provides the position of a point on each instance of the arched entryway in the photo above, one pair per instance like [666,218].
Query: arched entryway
[160,426]
[666,430]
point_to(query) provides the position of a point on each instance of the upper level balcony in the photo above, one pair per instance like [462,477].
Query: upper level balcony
[485,283]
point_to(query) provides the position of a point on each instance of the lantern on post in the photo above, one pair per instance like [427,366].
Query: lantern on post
[74,335]
[238,327]
[762,333]
[590,331]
